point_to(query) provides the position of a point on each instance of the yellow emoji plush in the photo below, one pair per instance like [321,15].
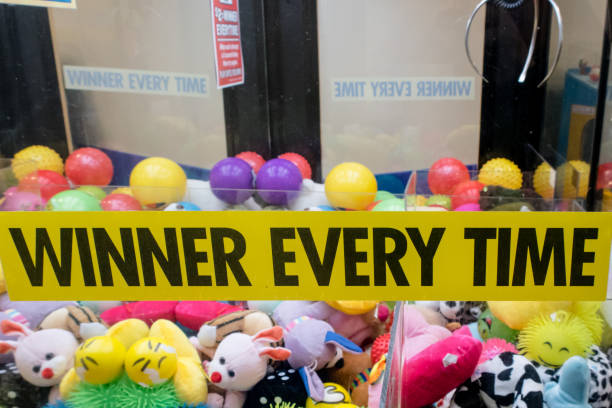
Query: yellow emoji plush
[150,361]
[99,360]
[335,396]
[154,356]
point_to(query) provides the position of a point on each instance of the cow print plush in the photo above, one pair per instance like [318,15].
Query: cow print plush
[506,381]
[462,312]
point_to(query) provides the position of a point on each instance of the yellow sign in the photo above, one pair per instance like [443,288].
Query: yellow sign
[306,255]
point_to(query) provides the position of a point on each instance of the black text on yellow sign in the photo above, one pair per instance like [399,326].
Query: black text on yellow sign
[306,255]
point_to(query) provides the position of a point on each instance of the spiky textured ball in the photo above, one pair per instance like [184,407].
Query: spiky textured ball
[544,180]
[501,172]
[30,159]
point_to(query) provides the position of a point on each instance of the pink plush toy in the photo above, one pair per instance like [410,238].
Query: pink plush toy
[418,334]
[240,362]
[21,201]
[192,314]
[42,357]
[431,374]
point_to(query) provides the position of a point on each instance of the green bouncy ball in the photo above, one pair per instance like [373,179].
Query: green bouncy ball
[490,326]
[415,200]
[383,195]
[439,200]
[393,204]
[73,200]
[93,191]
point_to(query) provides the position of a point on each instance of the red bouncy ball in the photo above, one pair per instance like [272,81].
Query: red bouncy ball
[467,192]
[120,202]
[254,160]
[47,183]
[89,166]
[300,162]
[446,174]
[604,176]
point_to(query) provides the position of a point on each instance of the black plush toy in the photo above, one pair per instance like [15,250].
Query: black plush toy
[17,392]
[280,389]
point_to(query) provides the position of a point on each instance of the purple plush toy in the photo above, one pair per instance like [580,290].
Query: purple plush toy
[357,328]
[314,345]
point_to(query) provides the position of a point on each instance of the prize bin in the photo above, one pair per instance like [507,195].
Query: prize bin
[252,204]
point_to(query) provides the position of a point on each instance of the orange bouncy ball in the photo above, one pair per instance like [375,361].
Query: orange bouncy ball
[254,160]
[301,163]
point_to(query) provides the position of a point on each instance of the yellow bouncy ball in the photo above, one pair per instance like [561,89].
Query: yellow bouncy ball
[158,180]
[122,190]
[99,360]
[544,180]
[501,172]
[552,339]
[572,173]
[351,186]
[353,307]
[34,158]
[150,361]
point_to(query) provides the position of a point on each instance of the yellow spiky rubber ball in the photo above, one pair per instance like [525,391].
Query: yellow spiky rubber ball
[544,180]
[501,172]
[552,339]
[34,158]
[574,178]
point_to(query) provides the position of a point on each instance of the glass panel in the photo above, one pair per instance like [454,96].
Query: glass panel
[397,92]
[139,36]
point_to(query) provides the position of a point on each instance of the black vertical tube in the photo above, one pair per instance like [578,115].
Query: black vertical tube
[591,201]
[246,106]
[512,114]
[30,104]
[293,78]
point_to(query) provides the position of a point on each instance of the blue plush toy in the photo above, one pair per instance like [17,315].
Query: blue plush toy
[572,390]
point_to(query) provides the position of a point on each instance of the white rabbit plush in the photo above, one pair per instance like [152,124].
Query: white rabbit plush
[42,357]
[240,362]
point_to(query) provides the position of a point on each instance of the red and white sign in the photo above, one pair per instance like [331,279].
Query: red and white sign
[228,49]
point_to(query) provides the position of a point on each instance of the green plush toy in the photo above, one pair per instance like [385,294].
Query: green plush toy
[490,326]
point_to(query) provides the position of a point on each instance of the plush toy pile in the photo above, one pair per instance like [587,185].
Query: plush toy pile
[192,354]
[297,354]
[505,354]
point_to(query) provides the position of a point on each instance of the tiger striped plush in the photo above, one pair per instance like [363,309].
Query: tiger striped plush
[213,332]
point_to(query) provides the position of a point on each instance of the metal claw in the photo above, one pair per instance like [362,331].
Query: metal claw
[557,11]
[532,44]
[534,34]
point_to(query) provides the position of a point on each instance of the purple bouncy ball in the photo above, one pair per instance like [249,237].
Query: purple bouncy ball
[231,180]
[278,182]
